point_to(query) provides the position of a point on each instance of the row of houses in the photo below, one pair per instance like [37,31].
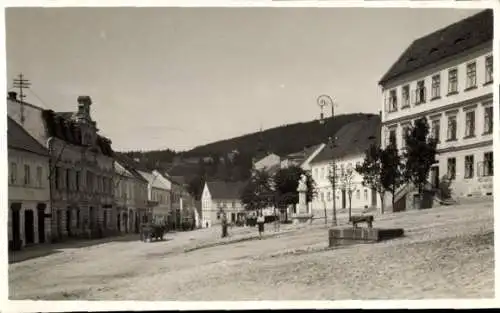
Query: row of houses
[65,180]
[456,65]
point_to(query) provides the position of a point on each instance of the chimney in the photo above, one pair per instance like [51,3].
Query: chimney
[84,103]
[12,95]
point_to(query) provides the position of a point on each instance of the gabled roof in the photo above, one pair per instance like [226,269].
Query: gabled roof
[130,165]
[226,190]
[443,43]
[352,139]
[18,138]
[153,180]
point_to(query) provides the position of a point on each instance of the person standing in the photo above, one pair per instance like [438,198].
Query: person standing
[260,224]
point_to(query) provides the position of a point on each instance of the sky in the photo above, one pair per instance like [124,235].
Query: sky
[182,77]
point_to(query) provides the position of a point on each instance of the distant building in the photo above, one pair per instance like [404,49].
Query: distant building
[81,167]
[159,201]
[29,194]
[220,197]
[131,195]
[302,158]
[267,162]
[348,150]
[447,77]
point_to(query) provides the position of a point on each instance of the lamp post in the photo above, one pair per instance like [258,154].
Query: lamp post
[325,100]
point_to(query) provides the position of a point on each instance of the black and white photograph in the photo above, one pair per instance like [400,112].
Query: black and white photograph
[250,153]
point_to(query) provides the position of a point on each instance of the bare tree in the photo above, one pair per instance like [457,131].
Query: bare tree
[347,184]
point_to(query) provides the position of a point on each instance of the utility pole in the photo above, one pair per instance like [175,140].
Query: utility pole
[21,83]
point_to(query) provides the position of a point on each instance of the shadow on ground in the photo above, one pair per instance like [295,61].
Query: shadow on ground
[48,249]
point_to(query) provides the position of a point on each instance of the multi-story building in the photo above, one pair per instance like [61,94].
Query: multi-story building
[29,193]
[81,167]
[131,195]
[159,194]
[447,77]
[220,197]
[346,152]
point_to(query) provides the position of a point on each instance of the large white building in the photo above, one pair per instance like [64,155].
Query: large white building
[447,77]
[346,151]
[221,197]
[29,195]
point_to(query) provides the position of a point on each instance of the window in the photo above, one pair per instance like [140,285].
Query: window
[436,86]
[90,180]
[470,124]
[420,92]
[452,166]
[452,81]
[471,76]
[77,180]
[57,173]
[358,194]
[393,101]
[488,120]
[39,173]
[406,96]
[488,69]
[366,194]
[68,179]
[452,128]
[469,166]
[488,164]
[13,173]
[27,175]
[392,137]
[406,130]
[322,197]
[328,195]
[435,126]
[316,173]
[322,172]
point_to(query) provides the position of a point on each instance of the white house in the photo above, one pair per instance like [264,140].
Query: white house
[29,195]
[348,150]
[447,77]
[222,197]
[158,195]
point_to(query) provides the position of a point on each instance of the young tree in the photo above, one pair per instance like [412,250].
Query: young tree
[391,176]
[257,194]
[420,154]
[371,170]
[347,184]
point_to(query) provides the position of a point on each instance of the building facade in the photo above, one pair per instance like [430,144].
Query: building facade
[159,197]
[81,167]
[29,193]
[220,197]
[347,152]
[447,78]
[131,196]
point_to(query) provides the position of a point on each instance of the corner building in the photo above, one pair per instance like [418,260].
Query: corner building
[447,77]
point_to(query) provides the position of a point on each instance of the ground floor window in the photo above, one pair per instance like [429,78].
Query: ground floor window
[469,166]
[452,168]
[488,164]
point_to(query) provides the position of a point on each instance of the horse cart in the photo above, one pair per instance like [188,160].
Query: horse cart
[152,231]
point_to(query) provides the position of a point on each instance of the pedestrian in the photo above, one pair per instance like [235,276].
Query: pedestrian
[260,223]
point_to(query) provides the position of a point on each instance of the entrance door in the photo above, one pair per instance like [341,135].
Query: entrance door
[41,222]
[29,226]
[435,176]
[91,217]
[16,224]
[68,221]
[343,199]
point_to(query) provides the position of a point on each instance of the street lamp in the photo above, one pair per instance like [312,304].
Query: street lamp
[323,101]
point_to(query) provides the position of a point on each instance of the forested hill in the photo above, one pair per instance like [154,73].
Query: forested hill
[281,140]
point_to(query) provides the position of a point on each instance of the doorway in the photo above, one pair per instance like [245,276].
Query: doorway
[41,222]
[435,177]
[68,221]
[16,225]
[91,217]
[344,202]
[29,226]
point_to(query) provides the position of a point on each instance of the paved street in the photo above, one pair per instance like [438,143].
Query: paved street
[447,253]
